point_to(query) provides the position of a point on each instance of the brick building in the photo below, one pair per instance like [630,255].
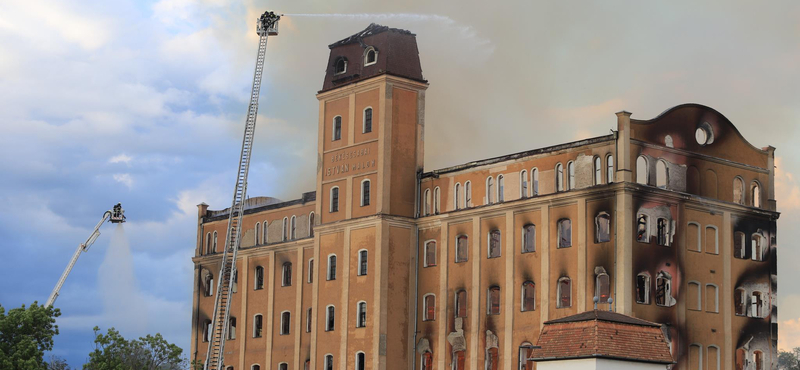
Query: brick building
[387,265]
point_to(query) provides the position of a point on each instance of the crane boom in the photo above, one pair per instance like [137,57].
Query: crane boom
[267,26]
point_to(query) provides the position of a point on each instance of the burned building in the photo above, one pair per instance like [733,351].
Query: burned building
[388,265]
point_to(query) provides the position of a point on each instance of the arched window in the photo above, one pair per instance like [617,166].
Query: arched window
[340,66]
[662,174]
[664,289]
[643,288]
[739,245]
[602,225]
[489,190]
[285,235]
[740,302]
[564,233]
[741,359]
[694,237]
[328,362]
[501,186]
[492,358]
[694,297]
[307,365]
[310,224]
[525,352]
[456,195]
[286,319]
[259,280]
[602,287]
[641,170]
[430,253]
[528,296]
[758,360]
[564,293]
[757,247]
[494,244]
[365,190]
[756,305]
[712,298]
[642,234]
[283,366]
[257,230]
[208,285]
[235,286]
[461,303]
[214,243]
[598,171]
[264,234]
[663,232]
[559,177]
[427,202]
[310,271]
[361,319]
[529,238]
[330,318]
[360,361]
[367,126]
[255,367]
[713,358]
[695,357]
[571,172]
[712,240]
[332,267]
[738,190]
[362,262]
[426,362]
[337,128]
[208,243]
[287,274]
[535,181]
[755,194]
[523,184]
[370,56]
[206,330]
[308,320]
[462,248]
[493,301]
[231,328]
[609,169]
[293,233]
[334,207]
[436,200]
[429,309]
[468,194]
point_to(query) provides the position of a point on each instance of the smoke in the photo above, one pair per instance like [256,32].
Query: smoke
[123,306]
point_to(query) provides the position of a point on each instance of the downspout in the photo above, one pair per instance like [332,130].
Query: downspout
[416,274]
[616,211]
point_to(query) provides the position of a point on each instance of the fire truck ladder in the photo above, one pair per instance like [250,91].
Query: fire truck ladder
[267,26]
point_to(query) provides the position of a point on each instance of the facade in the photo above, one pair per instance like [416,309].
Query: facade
[389,266]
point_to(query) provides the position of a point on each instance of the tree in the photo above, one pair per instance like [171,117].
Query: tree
[25,334]
[789,360]
[57,363]
[113,352]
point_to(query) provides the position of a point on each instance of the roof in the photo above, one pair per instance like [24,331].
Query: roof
[372,29]
[600,334]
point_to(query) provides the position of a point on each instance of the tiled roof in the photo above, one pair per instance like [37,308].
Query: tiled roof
[599,334]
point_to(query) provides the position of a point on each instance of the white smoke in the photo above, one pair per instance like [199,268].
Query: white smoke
[123,306]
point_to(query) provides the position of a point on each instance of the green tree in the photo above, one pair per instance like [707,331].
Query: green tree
[25,334]
[789,360]
[114,352]
[57,363]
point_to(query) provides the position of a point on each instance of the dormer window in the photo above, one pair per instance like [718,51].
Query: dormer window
[340,66]
[370,56]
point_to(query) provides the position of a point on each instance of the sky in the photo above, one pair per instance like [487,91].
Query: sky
[143,102]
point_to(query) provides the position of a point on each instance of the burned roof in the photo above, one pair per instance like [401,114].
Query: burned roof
[606,316]
[372,29]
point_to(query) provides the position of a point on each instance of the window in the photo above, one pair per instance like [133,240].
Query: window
[283,366]
[695,357]
[285,235]
[462,248]
[461,303]
[337,128]
[489,189]
[494,244]
[704,135]
[310,271]
[257,230]
[361,319]
[207,330]
[310,224]
[287,274]
[663,232]
[427,202]
[293,233]
[564,233]
[712,298]
[712,240]
[340,66]
[308,320]
[286,318]
[367,127]
[610,169]
[264,239]
[712,356]
[235,285]
[529,238]
[757,247]
[231,328]
[738,190]
[740,302]
[468,194]
[328,362]
[426,363]
[332,267]
[525,352]
[255,367]
[208,244]
[459,360]
[456,196]
[208,285]
[741,358]
[436,200]
[334,199]
[429,309]
[362,262]
[602,287]
[662,175]
[693,237]
[643,288]
[664,289]
[535,181]
[559,177]
[694,297]
[307,365]
[756,305]
[330,318]
[360,361]
[642,234]
[492,359]
[523,184]
[739,245]
[571,172]
[430,254]
[493,301]
[365,193]
[259,280]
[641,170]
[564,293]
[602,224]
[528,296]
[755,194]
[370,56]
[501,188]
[598,171]
[758,360]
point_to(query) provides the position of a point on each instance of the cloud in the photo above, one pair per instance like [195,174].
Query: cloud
[121,158]
[787,190]
[124,178]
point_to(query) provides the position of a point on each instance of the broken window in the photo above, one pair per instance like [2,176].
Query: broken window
[285,235]
[693,296]
[492,359]
[493,300]
[489,189]
[208,285]
[662,175]
[287,274]
[456,196]
[712,298]
[501,185]
[602,287]
[231,328]
[525,352]
[564,233]
[337,128]
[430,254]
[535,181]
[362,315]
[523,184]
[757,247]
[335,199]
[427,202]
[643,288]
[741,359]
[663,231]
[664,289]
[610,169]
[293,233]
[437,200]
[738,190]
[755,194]
[332,267]
[259,280]
[429,309]
[529,238]
[758,360]
[598,171]
[571,172]
[494,244]
[427,361]
[564,293]
[208,243]
[559,177]
[362,262]
[207,330]
[528,296]
[340,66]
[310,226]
[286,319]
[462,248]
[641,229]
[459,360]
[365,190]
[257,230]
[740,302]
[602,224]
[756,302]
[641,170]
[330,318]
[468,194]
[461,303]
[369,59]
[739,245]
[367,120]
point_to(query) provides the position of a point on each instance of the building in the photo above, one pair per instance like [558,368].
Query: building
[387,265]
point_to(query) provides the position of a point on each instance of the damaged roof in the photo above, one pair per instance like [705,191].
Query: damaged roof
[372,29]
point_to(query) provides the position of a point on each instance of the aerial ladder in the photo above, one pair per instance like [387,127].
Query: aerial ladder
[267,26]
[116,215]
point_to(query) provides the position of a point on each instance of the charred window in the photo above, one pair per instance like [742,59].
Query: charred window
[231,328]
[564,293]
[602,224]
[287,274]
[757,305]
[427,361]
[663,231]
[529,238]
[758,360]
[208,285]
[494,244]
[492,359]
[493,301]
[738,190]
[461,303]
[429,308]
[459,360]
[528,296]
[602,287]
[641,229]
[462,248]
[564,233]
[739,245]
[663,289]
[643,289]
[259,281]
[740,302]
[757,247]
[430,254]
[755,195]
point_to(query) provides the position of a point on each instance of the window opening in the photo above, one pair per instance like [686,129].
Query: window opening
[365,193]
[285,322]
[330,318]
[564,233]
[564,293]
[523,184]
[285,235]
[739,245]
[641,229]
[494,244]
[663,289]
[757,247]
[641,170]
[430,254]
[332,267]
[602,287]
[468,194]
[231,328]
[528,296]
[755,194]
[337,128]
[740,302]
[610,169]
[663,230]
[362,315]
[738,190]
[462,248]
[427,361]
[643,289]
[493,300]
[308,320]
[362,262]
[430,307]
[559,177]
[529,238]
[340,66]
[310,271]
[328,362]
[427,202]
[436,200]
[489,189]
[258,324]
[370,57]
[367,121]
[535,181]
[501,188]
[662,174]
[259,280]
[571,171]
[360,361]
[287,274]
[335,199]
[456,195]
[757,305]
[461,303]
[598,171]
[602,224]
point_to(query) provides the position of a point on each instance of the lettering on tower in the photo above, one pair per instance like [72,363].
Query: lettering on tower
[350,161]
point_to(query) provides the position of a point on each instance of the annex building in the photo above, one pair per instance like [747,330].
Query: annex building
[389,265]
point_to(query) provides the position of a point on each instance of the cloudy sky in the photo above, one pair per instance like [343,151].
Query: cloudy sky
[143,103]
